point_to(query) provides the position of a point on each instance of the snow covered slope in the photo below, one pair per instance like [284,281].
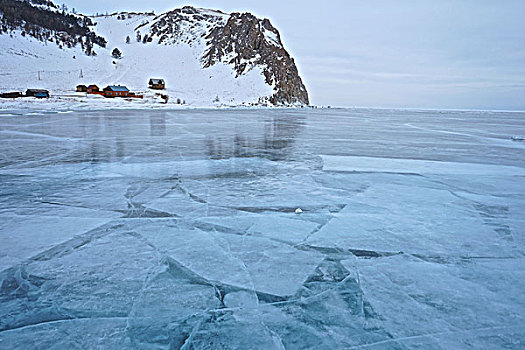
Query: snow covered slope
[172,46]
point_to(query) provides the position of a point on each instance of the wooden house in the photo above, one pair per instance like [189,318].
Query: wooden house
[82,88]
[14,94]
[157,84]
[93,89]
[116,91]
[38,93]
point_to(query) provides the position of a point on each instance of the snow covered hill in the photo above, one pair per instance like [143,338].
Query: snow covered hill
[206,57]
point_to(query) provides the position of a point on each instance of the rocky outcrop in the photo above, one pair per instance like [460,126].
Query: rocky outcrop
[246,42]
[186,25]
[238,39]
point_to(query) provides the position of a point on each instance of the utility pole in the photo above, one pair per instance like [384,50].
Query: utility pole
[39,75]
[81,75]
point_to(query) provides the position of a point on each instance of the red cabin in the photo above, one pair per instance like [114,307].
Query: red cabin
[93,89]
[116,91]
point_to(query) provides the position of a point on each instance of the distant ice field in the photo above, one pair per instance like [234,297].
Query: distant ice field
[180,229]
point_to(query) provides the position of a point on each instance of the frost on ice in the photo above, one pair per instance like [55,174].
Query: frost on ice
[180,229]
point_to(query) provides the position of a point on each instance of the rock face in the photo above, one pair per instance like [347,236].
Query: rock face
[240,40]
[246,41]
[185,25]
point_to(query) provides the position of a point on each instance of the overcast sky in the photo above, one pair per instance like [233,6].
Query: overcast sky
[390,53]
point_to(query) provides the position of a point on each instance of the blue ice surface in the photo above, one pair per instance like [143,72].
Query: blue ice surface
[178,229]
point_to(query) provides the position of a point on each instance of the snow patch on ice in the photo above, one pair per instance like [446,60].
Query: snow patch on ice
[413,166]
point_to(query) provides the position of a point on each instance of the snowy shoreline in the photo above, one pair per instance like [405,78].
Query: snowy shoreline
[94,102]
[81,102]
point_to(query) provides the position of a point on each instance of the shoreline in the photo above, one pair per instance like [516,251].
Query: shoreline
[61,104]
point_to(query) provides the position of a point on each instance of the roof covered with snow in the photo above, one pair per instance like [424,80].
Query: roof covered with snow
[117,88]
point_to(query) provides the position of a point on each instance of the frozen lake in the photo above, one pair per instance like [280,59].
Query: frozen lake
[178,229]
